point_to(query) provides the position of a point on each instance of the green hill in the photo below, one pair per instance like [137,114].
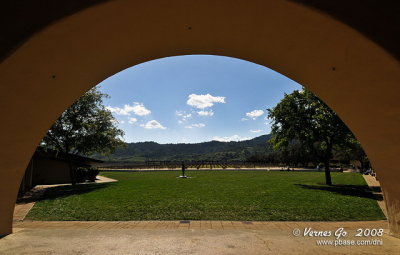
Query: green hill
[213,150]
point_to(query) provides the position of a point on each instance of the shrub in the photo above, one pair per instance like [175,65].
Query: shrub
[86,174]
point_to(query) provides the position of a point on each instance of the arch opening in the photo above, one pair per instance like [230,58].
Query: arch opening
[219,100]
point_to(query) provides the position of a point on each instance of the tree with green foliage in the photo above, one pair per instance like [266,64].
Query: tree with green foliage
[302,118]
[354,152]
[86,127]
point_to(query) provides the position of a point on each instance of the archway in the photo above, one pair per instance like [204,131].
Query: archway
[353,75]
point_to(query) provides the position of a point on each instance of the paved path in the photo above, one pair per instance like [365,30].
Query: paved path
[191,225]
[23,207]
[188,237]
[375,186]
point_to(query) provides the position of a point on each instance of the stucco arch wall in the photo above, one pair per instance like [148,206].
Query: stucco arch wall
[354,76]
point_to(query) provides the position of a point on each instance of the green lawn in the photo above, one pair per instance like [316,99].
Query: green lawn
[218,195]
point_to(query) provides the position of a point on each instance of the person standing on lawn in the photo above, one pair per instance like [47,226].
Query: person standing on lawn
[183,169]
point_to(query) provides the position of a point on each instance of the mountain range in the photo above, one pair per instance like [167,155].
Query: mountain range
[207,151]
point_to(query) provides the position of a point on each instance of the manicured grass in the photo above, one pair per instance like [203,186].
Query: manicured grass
[218,195]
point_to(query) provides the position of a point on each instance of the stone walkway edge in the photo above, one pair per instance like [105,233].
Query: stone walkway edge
[193,224]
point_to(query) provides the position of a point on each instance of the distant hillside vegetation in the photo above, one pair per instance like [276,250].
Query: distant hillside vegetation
[213,150]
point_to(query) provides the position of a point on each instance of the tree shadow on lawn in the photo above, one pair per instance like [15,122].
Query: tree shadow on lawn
[63,191]
[347,190]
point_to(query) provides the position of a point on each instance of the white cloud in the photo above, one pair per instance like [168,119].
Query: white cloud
[116,110]
[198,125]
[255,131]
[140,110]
[255,114]
[132,120]
[205,113]
[243,119]
[136,108]
[183,115]
[153,124]
[230,138]
[204,101]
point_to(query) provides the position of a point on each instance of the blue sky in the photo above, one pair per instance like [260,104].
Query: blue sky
[196,98]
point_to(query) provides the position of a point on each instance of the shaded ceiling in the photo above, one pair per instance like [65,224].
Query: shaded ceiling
[377,19]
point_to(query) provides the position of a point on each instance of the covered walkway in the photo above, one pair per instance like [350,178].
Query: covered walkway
[187,237]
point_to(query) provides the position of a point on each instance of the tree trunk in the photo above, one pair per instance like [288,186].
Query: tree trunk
[362,167]
[328,179]
[70,165]
[71,171]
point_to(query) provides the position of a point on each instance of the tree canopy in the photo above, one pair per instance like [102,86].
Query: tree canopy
[86,127]
[302,120]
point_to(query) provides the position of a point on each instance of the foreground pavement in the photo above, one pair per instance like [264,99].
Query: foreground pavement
[193,237]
